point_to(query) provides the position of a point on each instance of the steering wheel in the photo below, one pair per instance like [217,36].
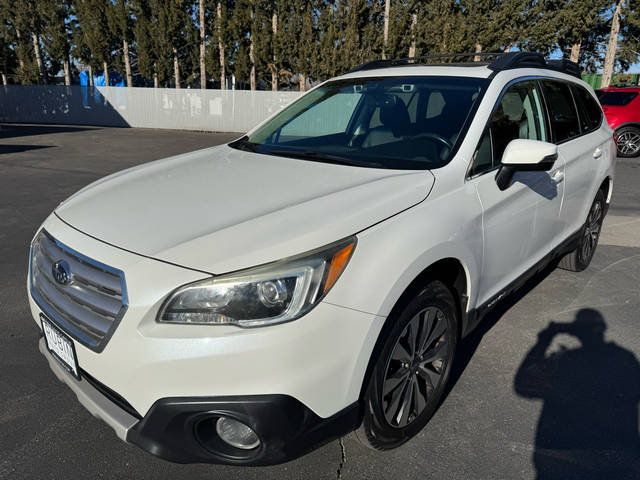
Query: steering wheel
[434,136]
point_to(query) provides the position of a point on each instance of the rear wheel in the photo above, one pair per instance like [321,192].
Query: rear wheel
[412,370]
[579,259]
[628,142]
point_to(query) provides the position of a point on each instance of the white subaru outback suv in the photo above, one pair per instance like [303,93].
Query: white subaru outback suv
[246,303]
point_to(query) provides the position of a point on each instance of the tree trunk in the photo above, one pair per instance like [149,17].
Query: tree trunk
[385,33]
[203,70]
[20,59]
[575,52]
[274,70]
[252,74]
[303,82]
[67,72]
[127,62]
[223,70]
[176,67]
[477,58]
[36,51]
[412,47]
[610,57]
[156,83]
[4,79]
[90,76]
[105,68]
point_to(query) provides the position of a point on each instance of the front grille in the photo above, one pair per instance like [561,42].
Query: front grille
[89,304]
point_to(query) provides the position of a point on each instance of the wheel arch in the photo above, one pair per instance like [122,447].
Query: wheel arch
[449,270]
[605,186]
[628,124]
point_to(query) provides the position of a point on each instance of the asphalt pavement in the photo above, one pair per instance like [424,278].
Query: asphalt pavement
[500,420]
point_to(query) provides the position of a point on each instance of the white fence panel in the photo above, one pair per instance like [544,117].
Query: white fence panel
[184,109]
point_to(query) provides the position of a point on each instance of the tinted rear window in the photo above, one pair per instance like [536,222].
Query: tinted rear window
[589,110]
[562,111]
[616,99]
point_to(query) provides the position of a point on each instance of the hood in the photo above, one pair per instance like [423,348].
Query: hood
[221,209]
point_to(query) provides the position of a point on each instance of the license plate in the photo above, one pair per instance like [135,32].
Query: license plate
[60,346]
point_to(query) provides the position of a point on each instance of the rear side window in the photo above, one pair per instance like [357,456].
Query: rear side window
[616,99]
[588,109]
[562,111]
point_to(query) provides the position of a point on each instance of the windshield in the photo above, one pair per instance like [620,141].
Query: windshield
[395,122]
[615,99]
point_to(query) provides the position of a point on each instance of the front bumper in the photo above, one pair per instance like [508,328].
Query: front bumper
[287,429]
[91,398]
[308,373]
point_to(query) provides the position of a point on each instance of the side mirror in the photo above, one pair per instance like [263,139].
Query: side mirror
[526,156]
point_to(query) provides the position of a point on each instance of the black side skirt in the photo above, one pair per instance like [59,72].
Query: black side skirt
[475,316]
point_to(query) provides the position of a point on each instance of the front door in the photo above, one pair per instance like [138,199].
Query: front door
[519,223]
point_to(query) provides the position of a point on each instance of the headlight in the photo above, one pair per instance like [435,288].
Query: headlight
[266,295]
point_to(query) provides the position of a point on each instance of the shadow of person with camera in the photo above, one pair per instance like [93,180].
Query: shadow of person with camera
[588,427]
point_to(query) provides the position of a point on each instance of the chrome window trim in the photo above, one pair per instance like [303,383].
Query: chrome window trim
[508,85]
[60,322]
[535,78]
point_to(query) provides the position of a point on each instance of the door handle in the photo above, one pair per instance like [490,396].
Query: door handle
[597,153]
[558,176]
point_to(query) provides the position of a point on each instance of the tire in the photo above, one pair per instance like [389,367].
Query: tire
[580,258]
[405,376]
[628,142]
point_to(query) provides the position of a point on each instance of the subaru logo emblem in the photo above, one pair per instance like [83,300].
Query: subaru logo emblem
[61,272]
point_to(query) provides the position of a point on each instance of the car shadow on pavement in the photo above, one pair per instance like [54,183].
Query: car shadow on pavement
[589,424]
[469,345]
[20,148]
[588,428]
[11,130]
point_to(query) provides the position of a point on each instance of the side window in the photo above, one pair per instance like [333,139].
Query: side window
[588,109]
[562,111]
[518,115]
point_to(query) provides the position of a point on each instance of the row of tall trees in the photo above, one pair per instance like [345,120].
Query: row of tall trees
[272,43]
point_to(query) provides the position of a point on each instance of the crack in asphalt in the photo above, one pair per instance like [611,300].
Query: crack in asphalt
[343,458]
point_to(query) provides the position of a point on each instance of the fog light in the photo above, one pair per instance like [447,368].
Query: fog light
[237,434]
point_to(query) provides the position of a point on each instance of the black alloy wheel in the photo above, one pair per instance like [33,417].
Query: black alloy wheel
[415,367]
[580,258]
[416,352]
[591,232]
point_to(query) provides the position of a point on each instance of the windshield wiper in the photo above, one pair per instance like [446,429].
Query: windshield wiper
[322,157]
[244,144]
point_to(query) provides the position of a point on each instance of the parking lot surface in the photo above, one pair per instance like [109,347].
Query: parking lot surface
[499,421]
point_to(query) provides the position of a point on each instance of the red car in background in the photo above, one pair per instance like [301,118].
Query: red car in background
[622,108]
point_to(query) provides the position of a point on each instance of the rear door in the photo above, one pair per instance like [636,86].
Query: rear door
[575,118]
[519,222]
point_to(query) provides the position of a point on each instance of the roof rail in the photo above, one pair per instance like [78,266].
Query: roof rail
[566,66]
[511,60]
[500,62]
[394,62]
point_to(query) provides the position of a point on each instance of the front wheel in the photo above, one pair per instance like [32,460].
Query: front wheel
[628,142]
[412,370]
[580,258]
